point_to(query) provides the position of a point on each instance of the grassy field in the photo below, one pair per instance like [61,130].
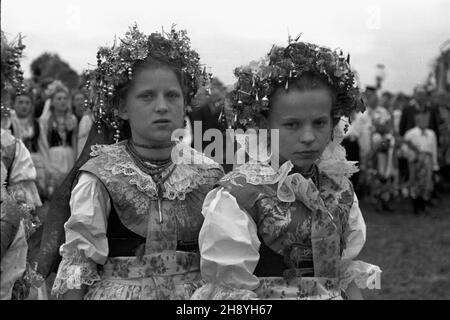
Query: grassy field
[412,251]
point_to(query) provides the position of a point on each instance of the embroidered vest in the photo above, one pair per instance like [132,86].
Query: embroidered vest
[134,218]
[327,236]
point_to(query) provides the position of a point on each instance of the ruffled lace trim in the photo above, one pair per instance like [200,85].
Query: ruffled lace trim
[34,277]
[365,275]
[74,271]
[193,170]
[211,291]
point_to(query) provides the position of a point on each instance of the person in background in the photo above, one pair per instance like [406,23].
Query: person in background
[211,115]
[28,130]
[420,100]
[58,136]
[78,104]
[352,149]
[85,120]
[420,145]
[363,126]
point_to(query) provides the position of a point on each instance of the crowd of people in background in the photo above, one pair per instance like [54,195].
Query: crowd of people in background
[401,142]
[402,145]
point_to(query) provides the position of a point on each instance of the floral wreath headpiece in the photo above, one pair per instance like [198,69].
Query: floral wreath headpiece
[115,68]
[256,82]
[55,87]
[11,72]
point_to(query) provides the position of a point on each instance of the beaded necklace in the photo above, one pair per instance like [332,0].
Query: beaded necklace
[155,169]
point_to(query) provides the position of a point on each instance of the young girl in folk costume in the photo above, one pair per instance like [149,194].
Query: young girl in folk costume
[136,204]
[420,147]
[28,130]
[19,194]
[290,232]
[58,134]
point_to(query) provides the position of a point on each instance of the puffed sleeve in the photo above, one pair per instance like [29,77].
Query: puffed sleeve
[365,275]
[86,244]
[22,177]
[229,248]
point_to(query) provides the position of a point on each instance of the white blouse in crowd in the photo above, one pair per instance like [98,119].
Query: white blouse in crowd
[90,206]
[425,140]
[22,173]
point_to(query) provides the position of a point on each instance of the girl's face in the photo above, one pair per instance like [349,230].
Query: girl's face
[154,105]
[422,120]
[60,102]
[304,122]
[78,104]
[23,106]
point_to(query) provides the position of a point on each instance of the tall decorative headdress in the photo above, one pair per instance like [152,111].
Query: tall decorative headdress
[11,71]
[257,81]
[115,68]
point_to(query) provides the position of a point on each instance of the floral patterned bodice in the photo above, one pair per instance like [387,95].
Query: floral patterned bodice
[309,228]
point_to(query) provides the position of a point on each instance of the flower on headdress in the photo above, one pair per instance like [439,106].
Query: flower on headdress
[291,62]
[115,67]
[54,87]
[11,72]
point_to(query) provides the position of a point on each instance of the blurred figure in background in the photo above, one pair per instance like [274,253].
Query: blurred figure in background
[78,104]
[58,134]
[211,113]
[351,145]
[420,145]
[85,119]
[28,130]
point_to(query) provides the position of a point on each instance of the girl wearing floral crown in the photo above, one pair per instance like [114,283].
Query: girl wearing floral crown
[290,232]
[19,195]
[135,210]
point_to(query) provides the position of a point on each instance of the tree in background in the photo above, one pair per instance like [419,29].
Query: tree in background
[49,66]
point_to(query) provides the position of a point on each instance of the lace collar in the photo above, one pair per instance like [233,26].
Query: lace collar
[193,169]
[332,163]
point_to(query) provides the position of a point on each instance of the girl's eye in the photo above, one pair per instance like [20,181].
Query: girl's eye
[291,125]
[146,95]
[321,123]
[173,95]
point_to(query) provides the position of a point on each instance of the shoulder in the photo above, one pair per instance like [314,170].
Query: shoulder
[7,138]
[103,153]
[411,132]
[196,164]
[184,155]
[251,181]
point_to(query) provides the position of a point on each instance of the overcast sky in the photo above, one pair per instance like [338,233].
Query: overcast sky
[405,36]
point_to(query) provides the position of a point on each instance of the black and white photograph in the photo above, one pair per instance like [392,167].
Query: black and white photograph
[225,150]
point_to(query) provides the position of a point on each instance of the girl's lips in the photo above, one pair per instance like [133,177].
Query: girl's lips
[306,154]
[161,121]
